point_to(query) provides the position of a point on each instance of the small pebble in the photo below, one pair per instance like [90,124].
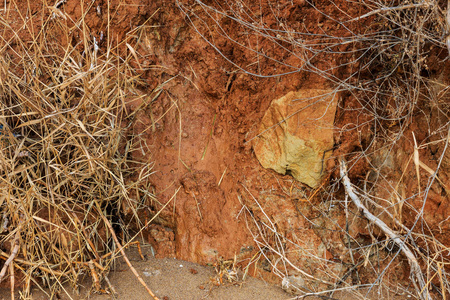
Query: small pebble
[193,271]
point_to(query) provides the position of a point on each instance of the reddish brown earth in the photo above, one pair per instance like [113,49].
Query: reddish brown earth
[198,135]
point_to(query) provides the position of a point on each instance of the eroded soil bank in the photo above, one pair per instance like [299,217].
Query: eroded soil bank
[204,98]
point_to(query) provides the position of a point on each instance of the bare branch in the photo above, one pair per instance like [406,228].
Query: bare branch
[416,273]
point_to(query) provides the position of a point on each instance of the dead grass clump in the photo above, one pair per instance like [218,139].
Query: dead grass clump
[65,167]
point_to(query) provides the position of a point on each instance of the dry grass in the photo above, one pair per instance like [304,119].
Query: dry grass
[65,167]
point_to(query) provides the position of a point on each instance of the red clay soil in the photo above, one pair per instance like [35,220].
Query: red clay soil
[198,133]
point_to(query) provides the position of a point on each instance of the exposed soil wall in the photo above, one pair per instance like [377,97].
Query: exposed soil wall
[205,112]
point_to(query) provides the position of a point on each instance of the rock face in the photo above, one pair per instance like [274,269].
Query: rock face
[295,134]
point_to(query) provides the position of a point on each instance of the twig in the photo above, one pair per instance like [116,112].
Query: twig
[388,9]
[116,240]
[198,206]
[56,10]
[111,288]
[317,294]
[11,271]
[221,177]
[57,4]
[12,256]
[416,273]
[94,275]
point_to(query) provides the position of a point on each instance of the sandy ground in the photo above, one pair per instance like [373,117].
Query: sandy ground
[169,279]
[172,279]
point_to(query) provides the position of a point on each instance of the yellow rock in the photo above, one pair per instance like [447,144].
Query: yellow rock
[295,132]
